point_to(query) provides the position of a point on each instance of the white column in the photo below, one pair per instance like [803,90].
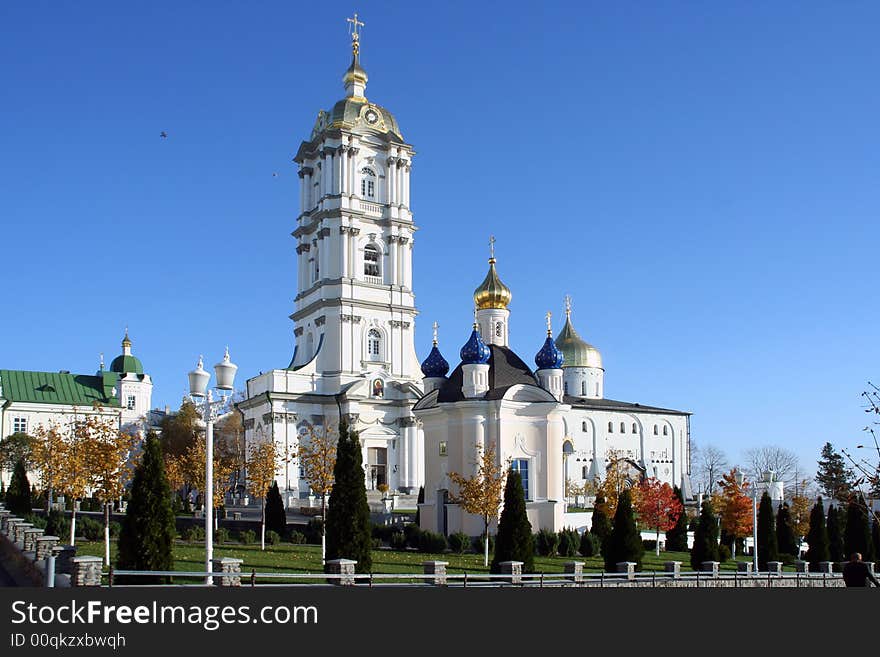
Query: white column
[302,191]
[392,259]
[406,176]
[400,190]
[338,170]
[344,185]
[389,175]
[343,247]
[328,172]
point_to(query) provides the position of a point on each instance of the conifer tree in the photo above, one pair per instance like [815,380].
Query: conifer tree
[767,548]
[276,518]
[835,535]
[148,529]
[833,477]
[676,538]
[857,534]
[817,536]
[601,524]
[625,541]
[785,538]
[419,500]
[18,495]
[514,541]
[705,538]
[348,514]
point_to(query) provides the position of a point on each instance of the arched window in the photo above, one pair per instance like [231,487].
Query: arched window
[374,345]
[655,429]
[665,431]
[368,183]
[611,427]
[498,330]
[584,427]
[371,260]
[635,429]
[622,427]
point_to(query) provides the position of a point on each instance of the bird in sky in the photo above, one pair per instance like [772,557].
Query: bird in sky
[163,134]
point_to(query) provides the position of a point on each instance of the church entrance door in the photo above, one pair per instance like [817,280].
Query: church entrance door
[377,458]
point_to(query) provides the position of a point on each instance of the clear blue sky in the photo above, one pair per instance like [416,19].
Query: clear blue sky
[702,178]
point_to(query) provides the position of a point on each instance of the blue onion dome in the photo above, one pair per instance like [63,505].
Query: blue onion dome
[549,358]
[435,365]
[475,351]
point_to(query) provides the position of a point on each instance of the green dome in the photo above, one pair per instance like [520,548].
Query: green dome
[575,350]
[127,364]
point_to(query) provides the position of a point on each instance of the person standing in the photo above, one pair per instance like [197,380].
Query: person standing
[856,572]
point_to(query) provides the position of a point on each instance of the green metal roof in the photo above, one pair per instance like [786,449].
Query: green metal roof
[123,364]
[57,388]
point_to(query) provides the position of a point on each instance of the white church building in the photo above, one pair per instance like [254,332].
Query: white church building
[354,310]
[355,358]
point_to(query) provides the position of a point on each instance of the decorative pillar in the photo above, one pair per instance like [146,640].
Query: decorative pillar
[576,570]
[328,171]
[344,568]
[435,572]
[230,571]
[86,571]
[29,540]
[389,179]
[710,567]
[628,567]
[512,570]
[45,547]
[673,568]
[744,567]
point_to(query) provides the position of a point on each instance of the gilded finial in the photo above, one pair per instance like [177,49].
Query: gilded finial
[567,307]
[491,248]
[355,35]
[436,325]
[549,329]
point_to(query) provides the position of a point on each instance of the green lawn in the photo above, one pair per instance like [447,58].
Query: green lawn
[290,558]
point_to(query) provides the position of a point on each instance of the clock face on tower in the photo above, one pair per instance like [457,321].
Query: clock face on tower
[371,116]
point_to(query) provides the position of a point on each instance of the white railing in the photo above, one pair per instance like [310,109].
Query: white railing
[370,208]
[373,279]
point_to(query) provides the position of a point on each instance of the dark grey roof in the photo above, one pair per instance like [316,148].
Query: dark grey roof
[506,369]
[613,405]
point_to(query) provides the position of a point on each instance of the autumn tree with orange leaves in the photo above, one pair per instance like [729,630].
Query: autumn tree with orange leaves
[317,457]
[481,493]
[261,469]
[657,506]
[734,504]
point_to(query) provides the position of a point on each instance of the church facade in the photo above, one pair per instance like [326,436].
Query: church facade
[355,360]
[354,309]
[551,423]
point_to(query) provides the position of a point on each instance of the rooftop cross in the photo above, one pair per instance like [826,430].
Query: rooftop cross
[355,35]
[492,247]
[435,333]
[549,329]
[567,306]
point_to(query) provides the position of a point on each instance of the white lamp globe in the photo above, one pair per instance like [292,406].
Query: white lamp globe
[198,380]
[225,372]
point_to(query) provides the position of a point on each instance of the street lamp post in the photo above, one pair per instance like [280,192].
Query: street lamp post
[198,389]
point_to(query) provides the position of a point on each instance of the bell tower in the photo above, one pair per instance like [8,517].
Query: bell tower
[354,308]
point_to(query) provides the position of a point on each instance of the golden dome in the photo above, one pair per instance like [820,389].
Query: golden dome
[575,350]
[492,293]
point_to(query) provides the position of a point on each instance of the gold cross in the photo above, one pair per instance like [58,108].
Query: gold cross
[355,23]
[549,329]
[435,333]
[567,306]
[492,246]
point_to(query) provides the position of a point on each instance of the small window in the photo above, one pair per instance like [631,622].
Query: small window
[622,427]
[442,448]
[19,425]
[585,472]
[498,330]
[665,431]
[368,183]
[635,428]
[565,387]
[374,344]
[597,389]
[655,429]
[611,427]
[522,467]
[371,261]
[584,388]
[129,402]
[584,427]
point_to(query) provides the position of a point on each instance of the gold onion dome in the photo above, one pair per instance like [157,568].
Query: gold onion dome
[492,293]
[575,350]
